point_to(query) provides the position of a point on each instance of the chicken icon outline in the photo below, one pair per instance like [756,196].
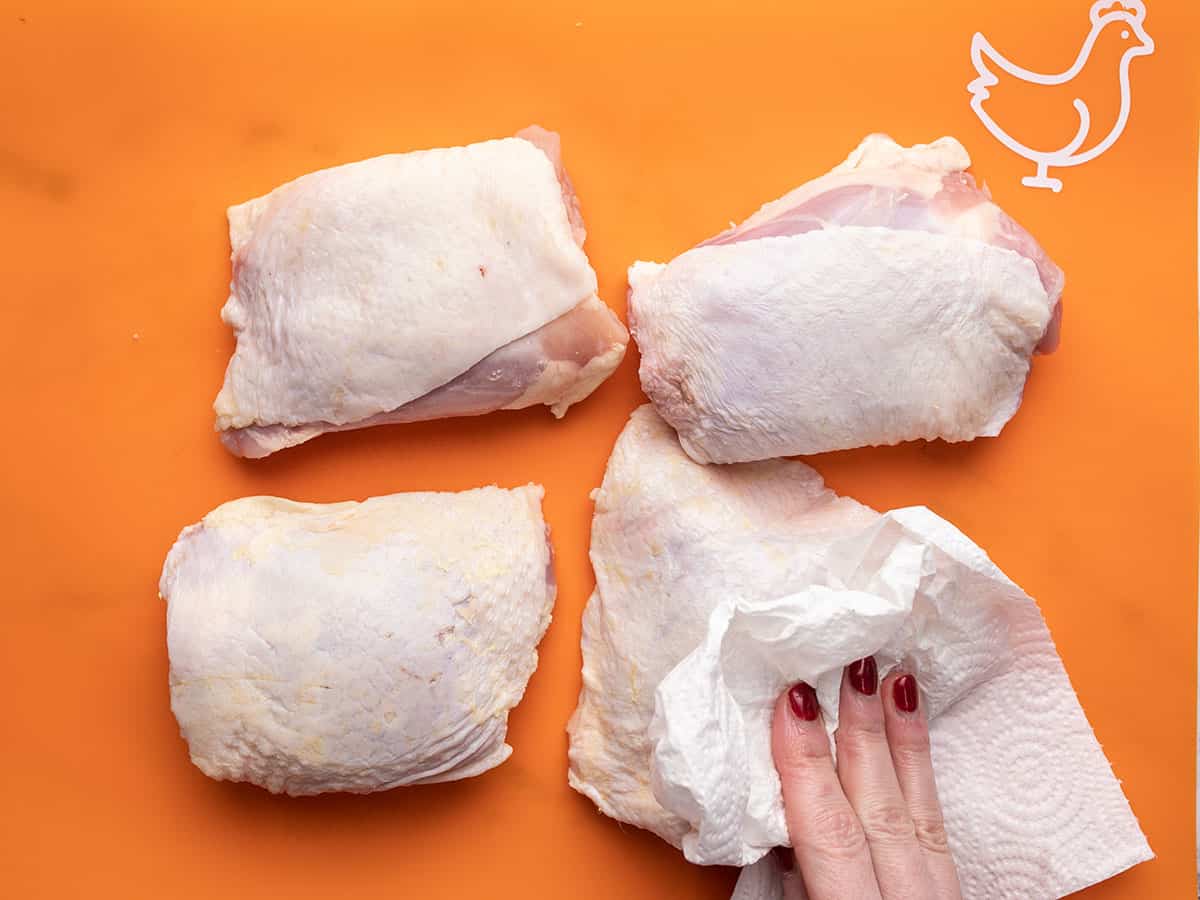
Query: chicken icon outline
[1120,21]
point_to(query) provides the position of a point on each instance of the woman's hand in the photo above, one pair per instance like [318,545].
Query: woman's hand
[872,828]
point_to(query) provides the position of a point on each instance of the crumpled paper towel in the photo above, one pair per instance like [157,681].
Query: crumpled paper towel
[719,586]
[884,591]
[916,593]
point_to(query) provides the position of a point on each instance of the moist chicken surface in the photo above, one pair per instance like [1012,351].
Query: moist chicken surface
[356,646]
[889,300]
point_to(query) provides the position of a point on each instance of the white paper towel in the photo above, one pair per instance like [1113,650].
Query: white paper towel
[719,586]
[762,881]
[887,591]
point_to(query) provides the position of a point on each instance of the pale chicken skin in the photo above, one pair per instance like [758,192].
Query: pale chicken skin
[356,646]
[410,287]
[889,300]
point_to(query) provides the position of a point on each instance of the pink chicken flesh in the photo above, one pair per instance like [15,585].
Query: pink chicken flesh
[899,197]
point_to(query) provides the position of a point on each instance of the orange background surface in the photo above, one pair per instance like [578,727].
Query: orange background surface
[129,127]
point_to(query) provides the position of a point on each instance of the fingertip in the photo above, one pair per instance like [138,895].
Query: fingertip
[802,701]
[860,712]
[904,712]
[863,676]
[797,730]
[901,695]
[906,694]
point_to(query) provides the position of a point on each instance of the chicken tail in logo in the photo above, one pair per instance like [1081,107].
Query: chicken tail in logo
[1117,36]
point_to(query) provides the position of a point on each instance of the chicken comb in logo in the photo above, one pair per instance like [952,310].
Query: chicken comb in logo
[1116,29]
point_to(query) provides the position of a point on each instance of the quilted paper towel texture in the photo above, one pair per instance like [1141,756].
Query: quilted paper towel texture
[717,586]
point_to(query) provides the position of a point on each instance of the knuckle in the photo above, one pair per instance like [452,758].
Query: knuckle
[931,833]
[802,751]
[888,823]
[911,749]
[836,833]
[860,739]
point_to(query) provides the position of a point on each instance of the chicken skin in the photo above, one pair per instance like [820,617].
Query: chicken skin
[889,300]
[356,646]
[413,286]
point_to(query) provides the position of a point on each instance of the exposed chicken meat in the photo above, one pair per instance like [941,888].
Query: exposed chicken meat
[550,144]
[919,189]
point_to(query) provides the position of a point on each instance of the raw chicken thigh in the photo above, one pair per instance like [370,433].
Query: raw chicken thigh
[559,364]
[407,287]
[889,300]
[719,586]
[356,646]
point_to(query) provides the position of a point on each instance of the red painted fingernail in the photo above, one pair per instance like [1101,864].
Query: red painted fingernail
[905,692]
[804,702]
[863,675]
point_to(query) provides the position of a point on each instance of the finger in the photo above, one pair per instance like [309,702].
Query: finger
[908,740]
[830,846]
[869,779]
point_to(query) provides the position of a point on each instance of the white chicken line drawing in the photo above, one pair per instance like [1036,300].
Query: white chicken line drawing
[1111,21]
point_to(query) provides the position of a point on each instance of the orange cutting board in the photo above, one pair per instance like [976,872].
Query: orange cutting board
[129,127]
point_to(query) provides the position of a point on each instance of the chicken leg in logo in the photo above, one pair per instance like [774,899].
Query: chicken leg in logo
[1116,30]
